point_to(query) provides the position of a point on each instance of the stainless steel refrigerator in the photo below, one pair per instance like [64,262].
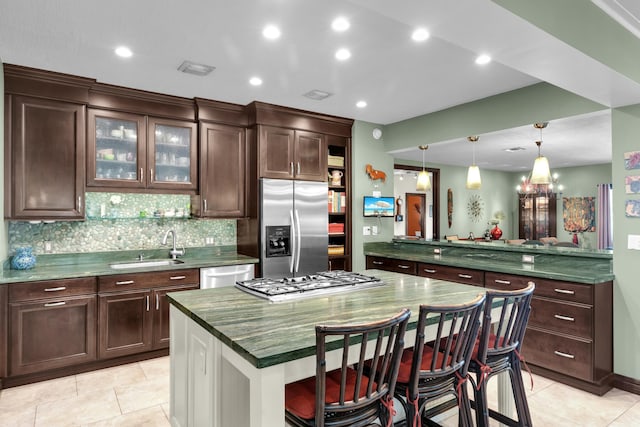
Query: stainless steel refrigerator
[293,228]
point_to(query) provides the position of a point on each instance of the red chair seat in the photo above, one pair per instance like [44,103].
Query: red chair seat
[404,374]
[474,355]
[300,396]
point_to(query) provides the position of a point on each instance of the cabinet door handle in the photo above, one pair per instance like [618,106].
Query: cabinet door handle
[464,276]
[561,354]
[157,302]
[403,266]
[150,174]
[426,270]
[177,277]
[59,288]
[141,173]
[147,302]
[79,203]
[298,168]
[567,318]
[502,282]
[204,205]
[378,262]
[564,291]
[125,282]
[54,304]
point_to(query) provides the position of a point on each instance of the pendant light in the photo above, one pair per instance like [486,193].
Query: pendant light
[540,173]
[424,182]
[473,174]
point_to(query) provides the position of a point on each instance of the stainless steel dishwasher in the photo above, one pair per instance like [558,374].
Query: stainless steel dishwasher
[228,275]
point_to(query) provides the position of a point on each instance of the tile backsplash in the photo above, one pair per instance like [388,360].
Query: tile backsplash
[124,221]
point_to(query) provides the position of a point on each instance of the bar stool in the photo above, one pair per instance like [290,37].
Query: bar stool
[345,396]
[497,351]
[427,373]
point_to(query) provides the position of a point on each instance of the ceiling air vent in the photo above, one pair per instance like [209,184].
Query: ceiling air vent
[317,95]
[625,12]
[197,69]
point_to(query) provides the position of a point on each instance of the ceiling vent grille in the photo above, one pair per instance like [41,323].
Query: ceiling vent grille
[197,69]
[317,95]
[625,12]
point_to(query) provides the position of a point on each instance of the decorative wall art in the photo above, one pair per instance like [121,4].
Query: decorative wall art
[579,214]
[450,206]
[632,208]
[475,207]
[632,184]
[632,160]
[375,174]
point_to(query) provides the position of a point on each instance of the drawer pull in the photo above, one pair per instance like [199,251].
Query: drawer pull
[502,282]
[403,266]
[564,291]
[561,317]
[567,355]
[177,277]
[147,302]
[125,282]
[465,276]
[378,262]
[426,270]
[59,288]
[54,304]
[157,302]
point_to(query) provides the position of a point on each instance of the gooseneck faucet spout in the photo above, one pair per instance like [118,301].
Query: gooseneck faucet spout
[173,252]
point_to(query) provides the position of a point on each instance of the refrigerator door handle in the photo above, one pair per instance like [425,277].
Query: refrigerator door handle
[294,233]
[299,242]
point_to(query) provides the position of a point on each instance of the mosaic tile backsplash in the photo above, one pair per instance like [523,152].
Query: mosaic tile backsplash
[124,221]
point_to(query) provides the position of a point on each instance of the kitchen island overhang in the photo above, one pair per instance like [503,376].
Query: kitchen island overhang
[240,350]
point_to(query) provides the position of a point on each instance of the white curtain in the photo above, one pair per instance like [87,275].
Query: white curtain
[604,223]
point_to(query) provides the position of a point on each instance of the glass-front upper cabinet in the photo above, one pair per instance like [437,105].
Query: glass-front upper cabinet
[136,151]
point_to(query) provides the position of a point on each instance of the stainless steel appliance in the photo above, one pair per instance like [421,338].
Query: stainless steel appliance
[228,275]
[294,225]
[319,284]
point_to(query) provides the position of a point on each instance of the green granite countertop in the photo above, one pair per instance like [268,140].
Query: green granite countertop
[558,265]
[64,266]
[267,333]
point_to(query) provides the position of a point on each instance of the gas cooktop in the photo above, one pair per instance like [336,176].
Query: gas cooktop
[319,284]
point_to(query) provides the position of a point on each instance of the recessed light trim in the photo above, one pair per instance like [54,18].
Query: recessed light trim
[514,149]
[483,59]
[340,24]
[195,68]
[123,52]
[361,104]
[271,32]
[420,34]
[317,95]
[255,81]
[343,54]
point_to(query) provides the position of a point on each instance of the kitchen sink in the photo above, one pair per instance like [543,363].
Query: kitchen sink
[142,264]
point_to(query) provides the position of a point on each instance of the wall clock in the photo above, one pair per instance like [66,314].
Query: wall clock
[475,207]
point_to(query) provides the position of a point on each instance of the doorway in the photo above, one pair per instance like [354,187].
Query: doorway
[416,204]
[404,185]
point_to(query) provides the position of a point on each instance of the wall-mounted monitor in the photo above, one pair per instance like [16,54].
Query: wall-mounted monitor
[378,206]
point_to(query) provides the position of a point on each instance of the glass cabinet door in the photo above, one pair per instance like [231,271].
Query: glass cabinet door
[172,154]
[115,149]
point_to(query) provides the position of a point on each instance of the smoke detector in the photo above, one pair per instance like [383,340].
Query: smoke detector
[317,95]
[194,68]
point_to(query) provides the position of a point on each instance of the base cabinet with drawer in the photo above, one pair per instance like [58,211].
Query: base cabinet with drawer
[133,310]
[452,274]
[391,264]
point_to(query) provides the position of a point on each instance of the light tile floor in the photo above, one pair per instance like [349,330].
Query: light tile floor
[137,394]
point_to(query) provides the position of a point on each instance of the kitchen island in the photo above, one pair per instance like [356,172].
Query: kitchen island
[232,353]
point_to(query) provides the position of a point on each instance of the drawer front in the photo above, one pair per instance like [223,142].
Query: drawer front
[124,282]
[557,316]
[452,274]
[51,289]
[506,282]
[390,264]
[559,353]
[566,291]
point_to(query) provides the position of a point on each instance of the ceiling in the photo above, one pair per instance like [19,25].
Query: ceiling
[397,77]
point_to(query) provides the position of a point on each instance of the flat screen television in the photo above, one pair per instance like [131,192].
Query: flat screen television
[378,206]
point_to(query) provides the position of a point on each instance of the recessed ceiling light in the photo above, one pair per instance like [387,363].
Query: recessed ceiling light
[255,81]
[123,52]
[343,54]
[483,59]
[361,104]
[194,68]
[271,32]
[317,95]
[514,149]
[340,24]
[420,34]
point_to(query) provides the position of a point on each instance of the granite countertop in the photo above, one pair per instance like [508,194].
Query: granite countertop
[64,266]
[588,270]
[267,333]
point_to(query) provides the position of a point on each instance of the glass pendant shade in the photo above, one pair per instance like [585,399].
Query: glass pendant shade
[473,178]
[424,182]
[541,173]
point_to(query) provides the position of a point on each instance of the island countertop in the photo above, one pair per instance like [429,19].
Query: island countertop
[266,333]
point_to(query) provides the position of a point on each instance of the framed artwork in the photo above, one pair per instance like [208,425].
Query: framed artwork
[579,214]
[632,184]
[632,160]
[632,208]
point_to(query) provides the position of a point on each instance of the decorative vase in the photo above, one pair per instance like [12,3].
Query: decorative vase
[575,238]
[496,233]
[24,259]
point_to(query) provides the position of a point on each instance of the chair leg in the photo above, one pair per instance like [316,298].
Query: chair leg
[519,394]
[465,419]
[481,402]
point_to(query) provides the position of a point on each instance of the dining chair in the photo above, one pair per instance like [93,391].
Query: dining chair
[346,396]
[428,373]
[498,350]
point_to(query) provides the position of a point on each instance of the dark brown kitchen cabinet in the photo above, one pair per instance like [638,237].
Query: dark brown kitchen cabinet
[52,324]
[390,264]
[453,274]
[222,171]
[292,154]
[133,310]
[136,151]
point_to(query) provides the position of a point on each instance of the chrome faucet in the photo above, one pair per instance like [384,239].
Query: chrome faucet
[173,252]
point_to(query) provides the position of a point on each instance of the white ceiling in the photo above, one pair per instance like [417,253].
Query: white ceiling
[396,76]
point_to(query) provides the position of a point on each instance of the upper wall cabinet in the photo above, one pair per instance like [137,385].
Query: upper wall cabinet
[141,141]
[44,144]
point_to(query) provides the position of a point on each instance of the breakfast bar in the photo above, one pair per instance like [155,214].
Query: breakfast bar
[232,353]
